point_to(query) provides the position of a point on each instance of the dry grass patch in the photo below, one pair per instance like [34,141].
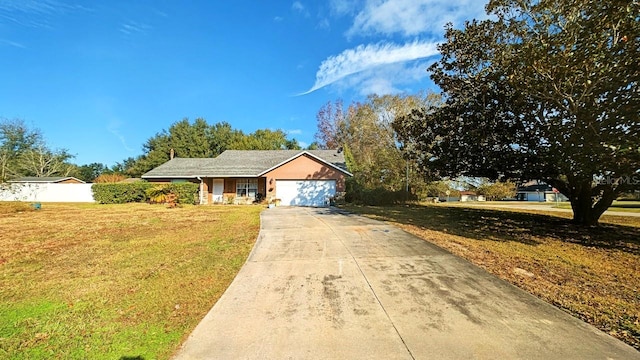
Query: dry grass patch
[111,281]
[12,207]
[592,273]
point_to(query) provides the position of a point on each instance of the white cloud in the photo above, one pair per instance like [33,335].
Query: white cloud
[35,13]
[343,7]
[324,24]
[367,57]
[388,79]
[12,43]
[298,7]
[293,132]
[114,128]
[413,17]
[132,27]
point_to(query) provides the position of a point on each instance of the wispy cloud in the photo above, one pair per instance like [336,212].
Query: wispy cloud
[367,57]
[114,128]
[413,17]
[35,13]
[278,18]
[12,43]
[133,27]
[299,8]
[293,132]
[389,79]
[383,66]
[344,7]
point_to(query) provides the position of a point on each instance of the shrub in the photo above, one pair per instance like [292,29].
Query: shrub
[187,192]
[120,193]
[158,194]
[358,194]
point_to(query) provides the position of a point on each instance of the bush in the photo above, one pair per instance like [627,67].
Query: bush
[186,192]
[120,193]
[357,194]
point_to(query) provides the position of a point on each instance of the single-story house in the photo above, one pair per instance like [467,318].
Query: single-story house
[464,196]
[48,180]
[539,192]
[290,177]
[470,196]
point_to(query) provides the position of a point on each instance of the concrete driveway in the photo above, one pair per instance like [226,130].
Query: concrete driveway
[321,284]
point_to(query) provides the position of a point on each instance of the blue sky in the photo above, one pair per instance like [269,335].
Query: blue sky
[101,77]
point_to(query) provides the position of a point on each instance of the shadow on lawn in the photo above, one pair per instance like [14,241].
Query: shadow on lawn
[527,228]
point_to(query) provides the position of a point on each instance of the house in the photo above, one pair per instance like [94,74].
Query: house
[47,189]
[539,191]
[48,180]
[470,196]
[294,177]
[464,196]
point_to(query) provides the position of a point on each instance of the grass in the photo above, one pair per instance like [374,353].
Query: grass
[114,281]
[629,206]
[593,273]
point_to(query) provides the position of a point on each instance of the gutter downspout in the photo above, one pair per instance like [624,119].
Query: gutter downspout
[201,189]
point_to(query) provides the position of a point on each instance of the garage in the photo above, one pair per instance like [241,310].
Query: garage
[305,192]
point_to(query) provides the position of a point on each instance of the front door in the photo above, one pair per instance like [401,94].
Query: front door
[218,189]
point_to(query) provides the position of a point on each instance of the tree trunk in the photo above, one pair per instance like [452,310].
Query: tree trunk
[585,212]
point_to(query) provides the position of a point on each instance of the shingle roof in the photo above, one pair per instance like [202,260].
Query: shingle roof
[239,163]
[536,187]
[49,179]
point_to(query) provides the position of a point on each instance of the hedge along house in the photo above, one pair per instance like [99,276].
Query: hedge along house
[294,177]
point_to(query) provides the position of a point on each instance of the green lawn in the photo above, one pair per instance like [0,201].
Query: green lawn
[593,273]
[114,281]
[631,206]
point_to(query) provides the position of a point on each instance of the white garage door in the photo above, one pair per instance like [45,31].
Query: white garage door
[305,192]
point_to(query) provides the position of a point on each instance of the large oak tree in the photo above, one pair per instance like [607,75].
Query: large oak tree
[543,89]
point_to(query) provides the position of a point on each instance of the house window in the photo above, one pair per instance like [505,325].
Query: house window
[246,188]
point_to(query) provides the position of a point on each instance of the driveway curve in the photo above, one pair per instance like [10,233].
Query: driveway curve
[324,284]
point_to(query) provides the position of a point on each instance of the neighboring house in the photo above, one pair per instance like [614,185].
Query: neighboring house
[294,177]
[470,196]
[47,189]
[464,196]
[539,192]
[48,180]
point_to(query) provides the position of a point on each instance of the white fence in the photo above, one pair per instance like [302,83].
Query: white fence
[46,192]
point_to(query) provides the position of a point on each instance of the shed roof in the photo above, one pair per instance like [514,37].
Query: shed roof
[241,163]
[47,179]
[535,187]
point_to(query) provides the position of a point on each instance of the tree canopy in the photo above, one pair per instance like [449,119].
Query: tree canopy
[543,89]
[24,152]
[198,139]
[364,131]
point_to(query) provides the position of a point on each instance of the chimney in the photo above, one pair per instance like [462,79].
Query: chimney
[172,154]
